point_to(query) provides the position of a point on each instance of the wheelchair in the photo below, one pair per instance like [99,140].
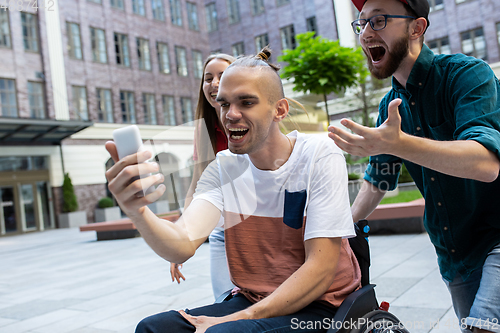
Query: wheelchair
[360,311]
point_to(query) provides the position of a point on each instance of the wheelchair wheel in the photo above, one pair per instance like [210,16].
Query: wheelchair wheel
[379,321]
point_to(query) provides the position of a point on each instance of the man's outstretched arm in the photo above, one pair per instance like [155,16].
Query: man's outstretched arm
[460,158]
[175,242]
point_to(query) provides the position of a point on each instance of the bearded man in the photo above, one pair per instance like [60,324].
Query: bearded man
[442,120]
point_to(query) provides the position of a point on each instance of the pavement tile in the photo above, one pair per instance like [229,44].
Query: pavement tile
[38,321]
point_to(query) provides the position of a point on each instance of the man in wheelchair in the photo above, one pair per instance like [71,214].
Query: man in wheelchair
[286,212]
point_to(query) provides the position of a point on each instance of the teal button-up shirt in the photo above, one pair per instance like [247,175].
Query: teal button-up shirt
[449,97]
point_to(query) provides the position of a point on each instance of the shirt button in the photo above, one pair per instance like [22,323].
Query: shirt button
[418,128]
[452,250]
[445,228]
[439,204]
[433,179]
[412,103]
[420,83]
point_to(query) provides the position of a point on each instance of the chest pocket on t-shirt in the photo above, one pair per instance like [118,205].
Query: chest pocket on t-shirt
[293,211]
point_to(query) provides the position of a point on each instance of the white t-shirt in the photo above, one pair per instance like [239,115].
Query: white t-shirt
[269,214]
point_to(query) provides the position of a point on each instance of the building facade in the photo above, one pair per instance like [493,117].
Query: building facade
[245,26]
[72,71]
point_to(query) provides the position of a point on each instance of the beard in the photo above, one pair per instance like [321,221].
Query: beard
[395,58]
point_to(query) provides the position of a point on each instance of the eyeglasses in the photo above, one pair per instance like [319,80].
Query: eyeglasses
[377,22]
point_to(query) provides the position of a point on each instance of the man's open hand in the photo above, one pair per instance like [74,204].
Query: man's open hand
[202,323]
[366,141]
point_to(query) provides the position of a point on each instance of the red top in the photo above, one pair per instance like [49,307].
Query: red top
[221,141]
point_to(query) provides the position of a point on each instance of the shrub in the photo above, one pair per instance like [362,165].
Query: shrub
[70,204]
[404,175]
[353,176]
[105,202]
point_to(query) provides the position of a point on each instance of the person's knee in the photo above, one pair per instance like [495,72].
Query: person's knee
[170,321]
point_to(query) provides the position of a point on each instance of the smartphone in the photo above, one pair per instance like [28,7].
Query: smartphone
[128,141]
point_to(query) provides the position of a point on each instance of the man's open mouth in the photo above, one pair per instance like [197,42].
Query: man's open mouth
[237,133]
[377,52]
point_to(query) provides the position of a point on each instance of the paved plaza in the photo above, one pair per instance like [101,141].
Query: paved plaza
[65,281]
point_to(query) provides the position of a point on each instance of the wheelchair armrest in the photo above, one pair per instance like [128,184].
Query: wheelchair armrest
[225,296]
[355,306]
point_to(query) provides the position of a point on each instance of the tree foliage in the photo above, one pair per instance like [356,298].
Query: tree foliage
[321,66]
[70,204]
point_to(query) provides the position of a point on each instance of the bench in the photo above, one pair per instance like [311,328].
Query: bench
[398,218]
[122,228]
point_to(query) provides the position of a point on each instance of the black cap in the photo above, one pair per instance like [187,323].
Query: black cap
[420,7]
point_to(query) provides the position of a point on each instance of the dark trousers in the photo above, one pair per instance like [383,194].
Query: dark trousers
[313,318]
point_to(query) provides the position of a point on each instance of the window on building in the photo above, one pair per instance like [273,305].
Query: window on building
[117,4]
[287,37]
[158,10]
[96,1]
[238,49]
[163,58]
[474,44]
[138,7]
[4,29]
[233,9]
[168,110]
[260,42]
[176,12]
[311,24]
[197,64]
[460,1]
[181,60]
[36,100]
[282,2]
[149,107]
[8,100]
[143,54]
[211,12]
[127,104]
[192,12]
[74,41]
[257,7]
[98,43]
[186,110]
[121,49]
[30,32]
[80,102]
[440,46]
[104,106]
[435,5]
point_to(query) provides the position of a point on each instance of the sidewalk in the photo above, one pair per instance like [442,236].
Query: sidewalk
[65,281]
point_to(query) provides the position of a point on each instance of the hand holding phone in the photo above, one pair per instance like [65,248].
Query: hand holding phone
[128,141]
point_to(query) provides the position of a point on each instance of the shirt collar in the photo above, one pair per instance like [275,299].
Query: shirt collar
[419,72]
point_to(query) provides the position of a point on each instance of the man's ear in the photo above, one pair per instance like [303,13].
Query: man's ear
[418,28]
[282,108]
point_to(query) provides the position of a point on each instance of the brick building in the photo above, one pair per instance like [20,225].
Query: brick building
[71,71]
[74,70]
[457,26]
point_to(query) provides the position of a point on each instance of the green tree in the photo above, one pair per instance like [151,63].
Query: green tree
[321,66]
[70,204]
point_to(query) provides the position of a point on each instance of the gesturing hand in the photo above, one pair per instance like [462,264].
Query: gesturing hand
[175,272]
[202,323]
[367,141]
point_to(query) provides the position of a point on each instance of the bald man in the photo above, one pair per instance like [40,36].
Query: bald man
[289,258]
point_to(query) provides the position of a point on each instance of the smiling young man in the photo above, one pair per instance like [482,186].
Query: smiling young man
[287,254]
[442,119]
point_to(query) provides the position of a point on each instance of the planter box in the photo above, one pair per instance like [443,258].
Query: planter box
[72,220]
[107,214]
[160,207]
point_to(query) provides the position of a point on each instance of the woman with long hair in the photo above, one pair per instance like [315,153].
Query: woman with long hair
[205,148]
